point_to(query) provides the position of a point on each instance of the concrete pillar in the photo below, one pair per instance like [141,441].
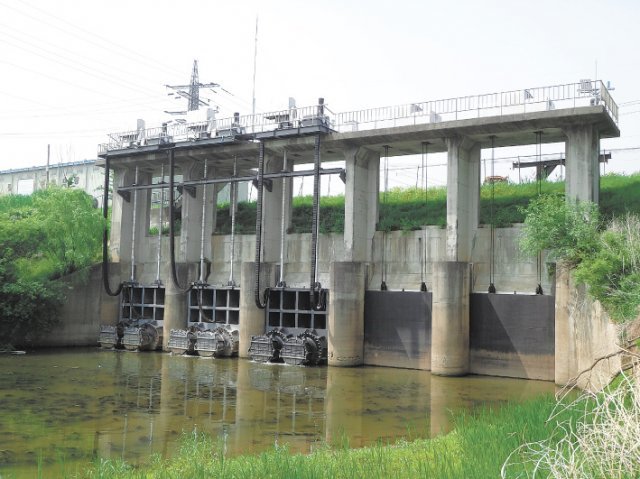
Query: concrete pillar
[191,226]
[360,202]
[252,318]
[120,214]
[346,314]
[175,300]
[271,212]
[122,219]
[582,167]
[463,196]
[450,318]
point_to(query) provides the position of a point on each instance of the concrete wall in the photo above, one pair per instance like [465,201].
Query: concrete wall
[512,335]
[584,333]
[86,308]
[513,270]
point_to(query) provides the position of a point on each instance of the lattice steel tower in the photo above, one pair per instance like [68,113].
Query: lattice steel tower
[192,91]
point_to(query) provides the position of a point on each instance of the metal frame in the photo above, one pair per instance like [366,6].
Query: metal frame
[223,303]
[291,308]
[147,299]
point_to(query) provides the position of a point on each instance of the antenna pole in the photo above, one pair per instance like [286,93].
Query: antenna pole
[255,56]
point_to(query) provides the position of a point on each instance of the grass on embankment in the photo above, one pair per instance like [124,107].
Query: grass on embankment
[407,209]
[477,448]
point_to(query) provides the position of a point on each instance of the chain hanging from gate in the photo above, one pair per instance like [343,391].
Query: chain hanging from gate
[383,283]
[423,247]
[492,254]
[539,170]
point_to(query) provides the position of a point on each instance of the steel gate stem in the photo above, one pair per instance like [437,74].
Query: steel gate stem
[233,191]
[283,226]
[133,230]
[202,223]
[313,280]
[158,257]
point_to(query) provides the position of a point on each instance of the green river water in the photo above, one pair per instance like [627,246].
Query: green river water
[60,410]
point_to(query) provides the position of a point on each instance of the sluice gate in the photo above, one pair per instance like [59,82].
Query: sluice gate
[296,333]
[140,322]
[301,323]
[213,319]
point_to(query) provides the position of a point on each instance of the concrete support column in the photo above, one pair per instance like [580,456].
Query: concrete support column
[360,202]
[175,300]
[271,212]
[346,314]
[252,318]
[463,196]
[450,320]
[121,214]
[122,219]
[582,166]
[191,226]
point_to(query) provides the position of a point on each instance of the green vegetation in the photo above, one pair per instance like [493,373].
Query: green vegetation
[477,448]
[602,443]
[604,255]
[42,237]
[407,209]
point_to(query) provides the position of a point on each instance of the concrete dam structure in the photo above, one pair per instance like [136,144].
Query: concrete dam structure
[414,300]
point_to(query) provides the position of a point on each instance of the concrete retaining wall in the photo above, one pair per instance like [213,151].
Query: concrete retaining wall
[86,308]
[584,333]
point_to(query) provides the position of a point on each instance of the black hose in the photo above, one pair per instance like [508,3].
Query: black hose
[314,285]
[172,241]
[105,239]
[261,302]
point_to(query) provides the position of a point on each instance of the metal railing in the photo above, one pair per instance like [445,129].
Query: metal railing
[571,95]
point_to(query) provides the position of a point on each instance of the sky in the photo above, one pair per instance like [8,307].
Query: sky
[74,71]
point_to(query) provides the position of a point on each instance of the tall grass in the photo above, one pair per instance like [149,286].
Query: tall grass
[477,448]
[601,443]
[410,208]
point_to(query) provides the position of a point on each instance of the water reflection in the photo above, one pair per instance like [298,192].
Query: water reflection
[61,409]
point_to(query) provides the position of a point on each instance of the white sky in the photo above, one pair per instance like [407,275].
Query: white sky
[73,71]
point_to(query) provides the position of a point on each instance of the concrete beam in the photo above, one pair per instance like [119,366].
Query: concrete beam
[361,202]
[582,166]
[463,196]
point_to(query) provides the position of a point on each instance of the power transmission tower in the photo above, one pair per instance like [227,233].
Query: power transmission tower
[191,92]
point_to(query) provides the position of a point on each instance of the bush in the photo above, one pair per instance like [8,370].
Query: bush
[568,231]
[607,261]
[42,237]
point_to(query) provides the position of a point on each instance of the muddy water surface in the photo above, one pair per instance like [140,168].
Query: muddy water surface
[61,410]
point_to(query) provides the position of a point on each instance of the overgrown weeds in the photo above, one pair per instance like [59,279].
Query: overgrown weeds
[601,442]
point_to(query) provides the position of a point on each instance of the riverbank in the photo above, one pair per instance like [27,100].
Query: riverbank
[476,448]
